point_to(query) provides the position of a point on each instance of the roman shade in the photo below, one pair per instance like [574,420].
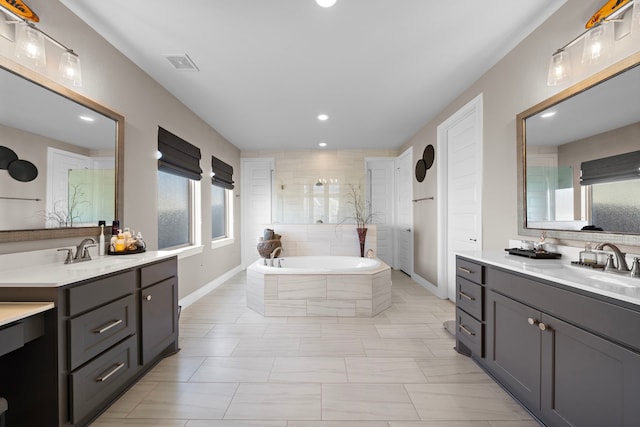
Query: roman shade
[222,173]
[622,167]
[178,157]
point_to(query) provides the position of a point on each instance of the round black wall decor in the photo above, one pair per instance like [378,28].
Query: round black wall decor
[22,170]
[421,170]
[7,155]
[425,163]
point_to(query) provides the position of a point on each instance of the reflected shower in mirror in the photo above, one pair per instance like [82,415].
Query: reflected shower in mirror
[73,145]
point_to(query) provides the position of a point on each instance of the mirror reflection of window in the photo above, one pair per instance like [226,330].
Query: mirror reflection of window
[616,206]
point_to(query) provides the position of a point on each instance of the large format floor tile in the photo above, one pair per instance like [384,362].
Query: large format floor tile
[237,368]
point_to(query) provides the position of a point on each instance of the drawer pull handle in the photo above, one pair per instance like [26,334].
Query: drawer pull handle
[147,298]
[106,376]
[106,328]
[542,326]
[465,296]
[532,321]
[465,270]
[465,330]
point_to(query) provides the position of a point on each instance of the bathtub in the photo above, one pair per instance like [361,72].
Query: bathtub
[319,286]
[318,264]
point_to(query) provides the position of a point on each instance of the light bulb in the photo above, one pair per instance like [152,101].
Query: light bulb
[597,44]
[69,69]
[559,69]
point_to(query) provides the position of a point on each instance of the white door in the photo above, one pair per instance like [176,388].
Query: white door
[459,190]
[380,191]
[256,204]
[404,209]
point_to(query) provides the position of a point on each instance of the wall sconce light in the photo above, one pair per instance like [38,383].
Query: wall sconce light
[598,44]
[30,48]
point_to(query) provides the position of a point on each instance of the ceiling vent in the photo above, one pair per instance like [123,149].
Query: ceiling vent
[182,62]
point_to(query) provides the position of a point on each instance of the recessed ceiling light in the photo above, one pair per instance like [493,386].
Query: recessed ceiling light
[322,144]
[326,3]
[323,117]
[549,114]
[87,118]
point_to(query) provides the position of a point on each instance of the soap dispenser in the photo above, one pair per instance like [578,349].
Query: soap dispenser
[587,256]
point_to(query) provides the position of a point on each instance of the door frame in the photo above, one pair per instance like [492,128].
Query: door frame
[244,226]
[473,107]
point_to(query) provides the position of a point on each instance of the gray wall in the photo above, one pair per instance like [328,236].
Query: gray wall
[514,84]
[112,80]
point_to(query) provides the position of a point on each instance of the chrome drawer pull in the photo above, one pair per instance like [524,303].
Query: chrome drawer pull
[147,298]
[466,270]
[111,372]
[465,296]
[106,328]
[465,330]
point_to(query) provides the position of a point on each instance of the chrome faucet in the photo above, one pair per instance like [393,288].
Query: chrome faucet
[277,251]
[82,251]
[620,257]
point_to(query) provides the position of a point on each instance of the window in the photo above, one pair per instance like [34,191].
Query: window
[221,202]
[174,210]
[179,174]
[218,212]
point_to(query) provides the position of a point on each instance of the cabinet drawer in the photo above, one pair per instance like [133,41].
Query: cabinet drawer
[469,331]
[93,294]
[470,271]
[95,383]
[11,338]
[158,272]
[93,332]
[469,297]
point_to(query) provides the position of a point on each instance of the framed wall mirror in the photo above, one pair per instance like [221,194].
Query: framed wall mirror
[579,160]
[61,157]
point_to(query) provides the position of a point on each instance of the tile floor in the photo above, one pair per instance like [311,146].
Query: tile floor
[239,369]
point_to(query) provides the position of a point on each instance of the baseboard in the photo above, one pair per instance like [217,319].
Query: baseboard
[199,293]
[427,285]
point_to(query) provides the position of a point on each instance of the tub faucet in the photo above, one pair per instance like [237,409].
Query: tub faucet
[621,261]
[277,251]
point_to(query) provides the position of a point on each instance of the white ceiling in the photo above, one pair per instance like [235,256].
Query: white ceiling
[380,69]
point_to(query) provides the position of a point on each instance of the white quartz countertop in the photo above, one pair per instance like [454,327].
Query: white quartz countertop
[14,311]
[620,287]
[60,274]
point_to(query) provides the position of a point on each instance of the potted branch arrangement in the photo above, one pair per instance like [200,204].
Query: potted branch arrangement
[362,215]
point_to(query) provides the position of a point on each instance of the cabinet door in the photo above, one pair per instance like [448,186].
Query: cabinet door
[513,347]
[159,318]
[587,380]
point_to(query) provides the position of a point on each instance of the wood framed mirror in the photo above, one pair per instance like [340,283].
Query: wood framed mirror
[77,146]
[594,122]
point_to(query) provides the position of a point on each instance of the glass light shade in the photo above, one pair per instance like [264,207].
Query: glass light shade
[69,69]
[598,44]
[30,45]
[559,69]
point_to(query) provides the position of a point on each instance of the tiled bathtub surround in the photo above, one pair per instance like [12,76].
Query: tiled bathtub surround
[323,239]
[343,295]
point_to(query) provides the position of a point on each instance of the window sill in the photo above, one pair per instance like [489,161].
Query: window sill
[215,244]
[186,251]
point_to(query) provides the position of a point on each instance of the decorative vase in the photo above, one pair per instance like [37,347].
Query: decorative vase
[362,235]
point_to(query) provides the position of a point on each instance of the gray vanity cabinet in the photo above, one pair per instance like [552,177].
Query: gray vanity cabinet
[104,334]
[470,308]
[571,358]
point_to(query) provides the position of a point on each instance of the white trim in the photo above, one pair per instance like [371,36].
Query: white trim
[219,243]
[426,284]
[407,152]
[194,296]
[472,107]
